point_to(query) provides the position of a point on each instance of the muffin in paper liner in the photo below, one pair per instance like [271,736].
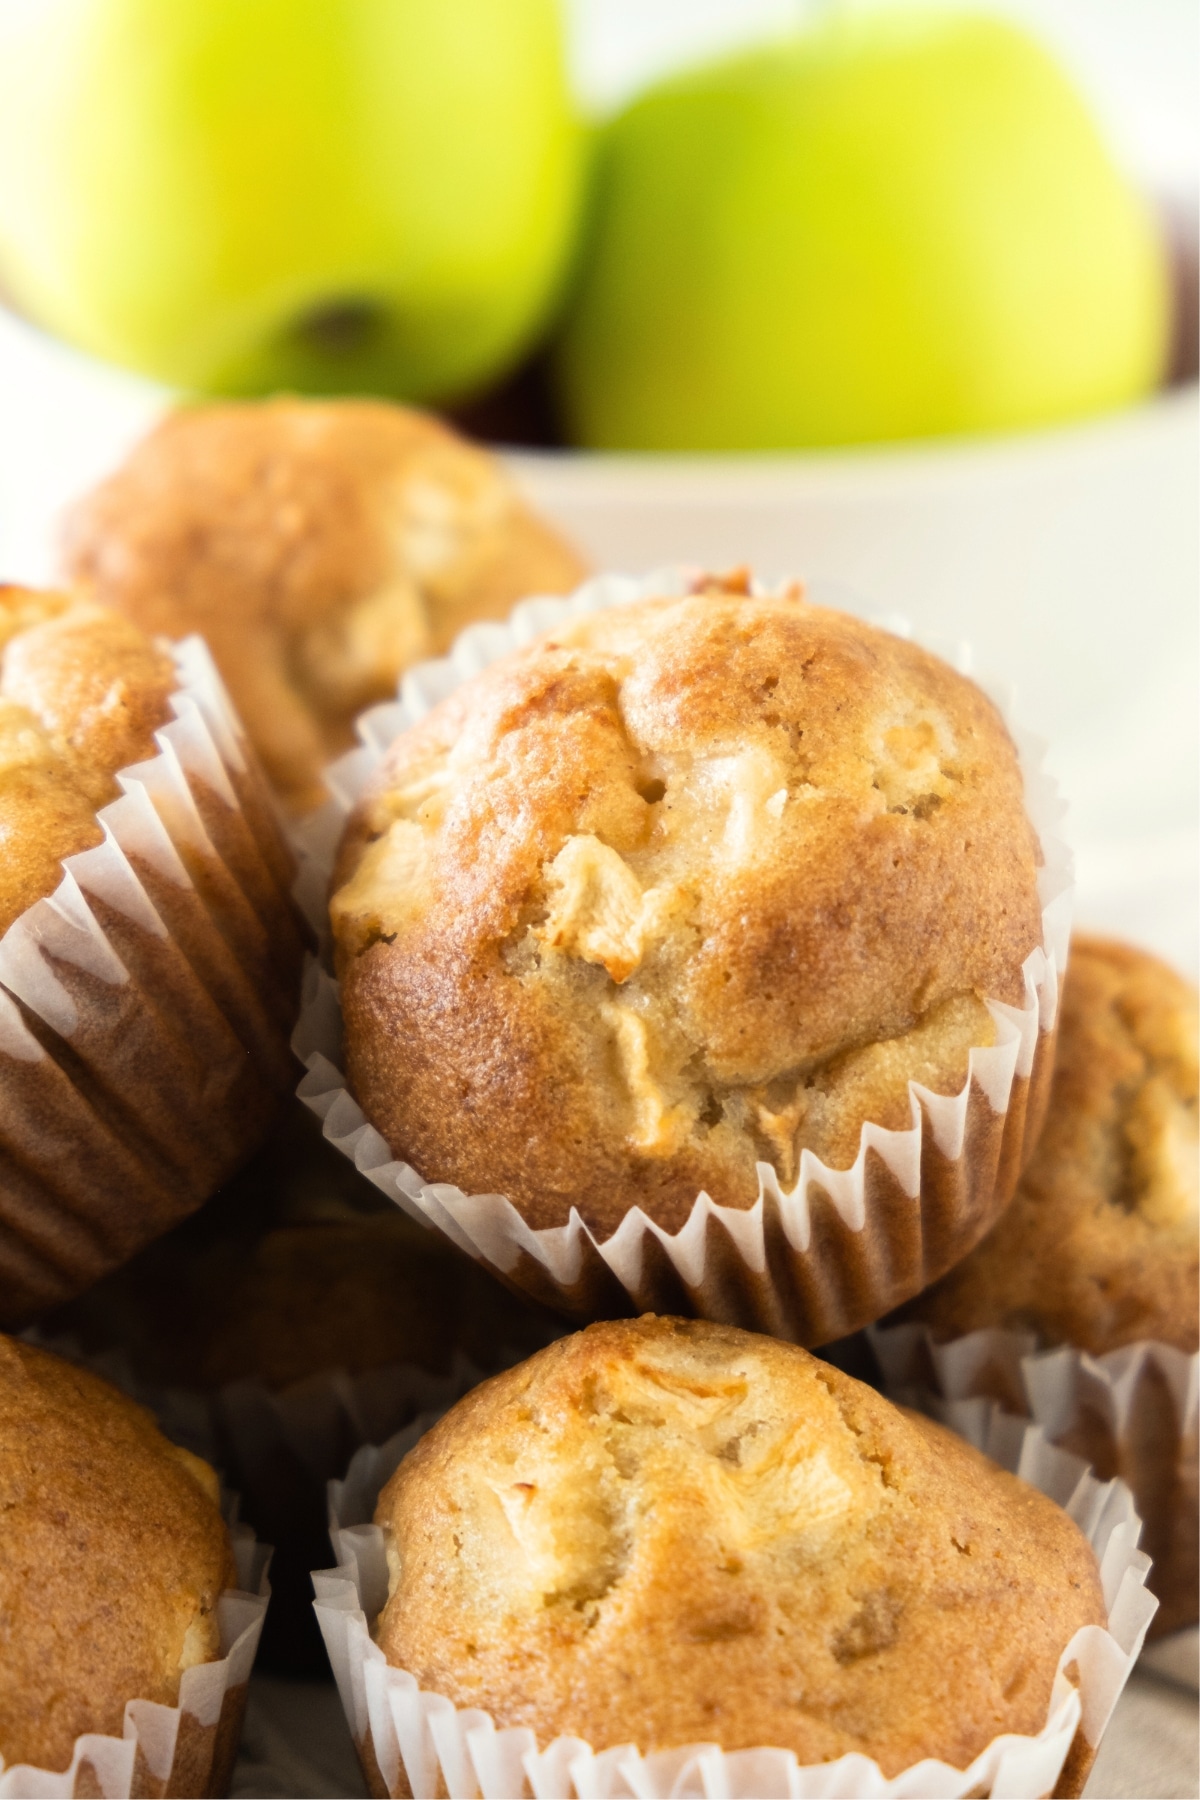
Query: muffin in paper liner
[145,1008]
[187,1749]
[813,1264]
[414,1743]
[1132,1413]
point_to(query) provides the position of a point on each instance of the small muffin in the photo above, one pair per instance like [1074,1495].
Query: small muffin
[113,1554]
[688,885]
[319,547]
[1100,1247]
[82,692]
[663,1532]
[145,1018]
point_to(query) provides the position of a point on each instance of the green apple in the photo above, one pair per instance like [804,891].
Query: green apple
[892,226]
[327,195]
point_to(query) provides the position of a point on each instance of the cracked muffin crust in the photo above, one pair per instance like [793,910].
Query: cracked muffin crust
[666,1532]
[319,547]
[1100,1245]
[686,885]
[82,692]
[113,1553]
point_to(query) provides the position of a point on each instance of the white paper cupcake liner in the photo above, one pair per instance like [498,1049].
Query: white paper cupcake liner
[145,1008]
[186,1749]
[815,1263]
[416,1743]
[1135,1411]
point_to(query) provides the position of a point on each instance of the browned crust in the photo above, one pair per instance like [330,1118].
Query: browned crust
[82,692]
[263,525]
[858,926]
[706,1578]
[110,1549]
[1082,1256]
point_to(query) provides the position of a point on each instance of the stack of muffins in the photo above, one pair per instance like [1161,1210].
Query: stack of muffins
[689,959]
[150,979]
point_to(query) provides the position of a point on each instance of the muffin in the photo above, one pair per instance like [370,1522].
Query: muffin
[82,692]
[319,547]
[665,1532]
[1100,1245]
[150,951]
[1099,1249]
[678,900]
[113,1554]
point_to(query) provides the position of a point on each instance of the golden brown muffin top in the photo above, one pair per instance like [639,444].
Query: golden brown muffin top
[687,884]
[1100,1245]
[319,547]
[113,1553]
[82,693]
[666,1532]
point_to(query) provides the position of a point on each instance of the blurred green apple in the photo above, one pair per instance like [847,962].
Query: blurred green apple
[328,195]
[893,226]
